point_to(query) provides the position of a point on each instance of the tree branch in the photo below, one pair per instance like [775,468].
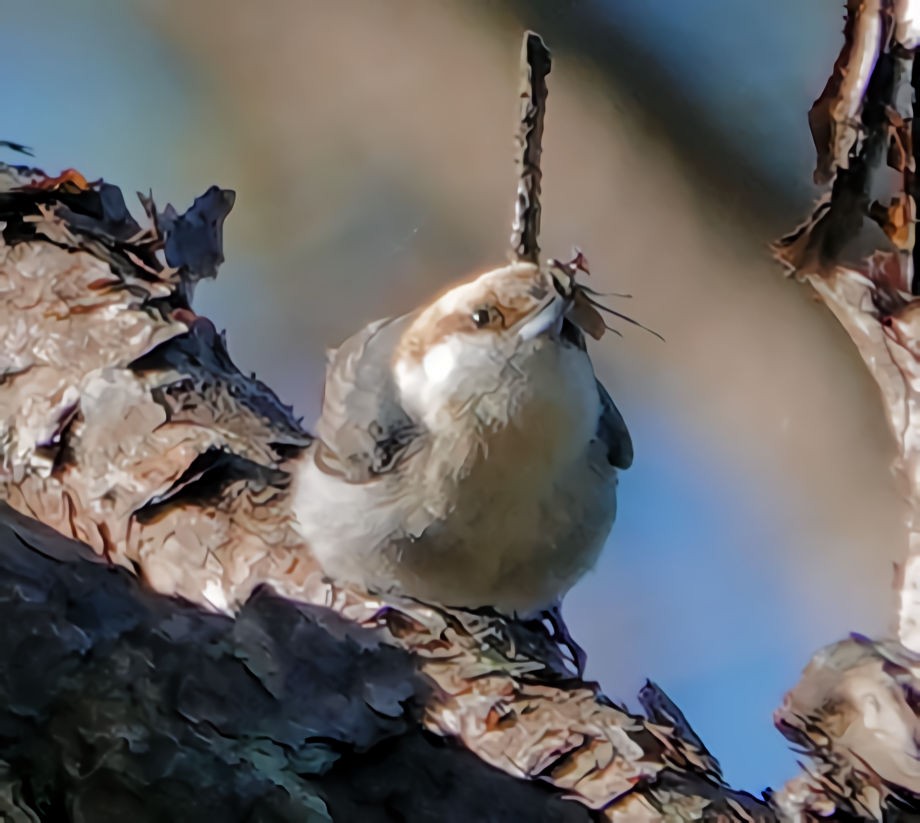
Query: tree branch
[525,230]
[855,711]
[126,426]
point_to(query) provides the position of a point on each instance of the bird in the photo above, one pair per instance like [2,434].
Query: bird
[466,454]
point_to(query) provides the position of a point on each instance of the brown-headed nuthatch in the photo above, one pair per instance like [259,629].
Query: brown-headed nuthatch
[466,454]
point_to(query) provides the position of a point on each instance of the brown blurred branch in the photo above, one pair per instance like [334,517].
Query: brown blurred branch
[855,711]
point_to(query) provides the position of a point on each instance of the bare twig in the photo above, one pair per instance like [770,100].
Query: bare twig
[525,230]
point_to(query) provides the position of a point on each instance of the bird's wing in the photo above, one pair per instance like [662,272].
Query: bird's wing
[612,432]
[363,430]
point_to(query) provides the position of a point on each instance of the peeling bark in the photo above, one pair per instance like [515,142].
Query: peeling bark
[855,712]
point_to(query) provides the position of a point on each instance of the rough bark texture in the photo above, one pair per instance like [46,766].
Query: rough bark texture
[856,709]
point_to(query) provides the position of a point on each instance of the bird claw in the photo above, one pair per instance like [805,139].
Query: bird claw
[552,621]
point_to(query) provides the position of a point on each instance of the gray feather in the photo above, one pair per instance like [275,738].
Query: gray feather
[363,429]
[612,431]
[611,428]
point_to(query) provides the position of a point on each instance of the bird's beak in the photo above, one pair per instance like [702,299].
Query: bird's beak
[547,319]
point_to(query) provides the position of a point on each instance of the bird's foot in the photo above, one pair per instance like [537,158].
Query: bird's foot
[552,622]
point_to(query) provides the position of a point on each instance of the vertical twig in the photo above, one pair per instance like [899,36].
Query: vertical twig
[525,230]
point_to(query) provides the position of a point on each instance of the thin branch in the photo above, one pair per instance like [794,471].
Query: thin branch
[525,230]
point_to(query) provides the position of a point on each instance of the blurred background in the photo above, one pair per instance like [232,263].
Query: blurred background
[370,145]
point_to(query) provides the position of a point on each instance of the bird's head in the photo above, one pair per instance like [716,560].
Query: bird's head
[483,347]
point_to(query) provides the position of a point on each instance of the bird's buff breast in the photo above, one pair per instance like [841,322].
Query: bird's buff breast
[505,540]
[523,521]
[518,537]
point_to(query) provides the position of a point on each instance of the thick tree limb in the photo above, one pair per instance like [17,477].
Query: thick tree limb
[126,426]
[855,711]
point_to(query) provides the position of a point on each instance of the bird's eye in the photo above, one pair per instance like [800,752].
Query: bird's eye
[481,318]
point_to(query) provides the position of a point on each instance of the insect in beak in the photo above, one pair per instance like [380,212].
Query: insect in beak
[583,309]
